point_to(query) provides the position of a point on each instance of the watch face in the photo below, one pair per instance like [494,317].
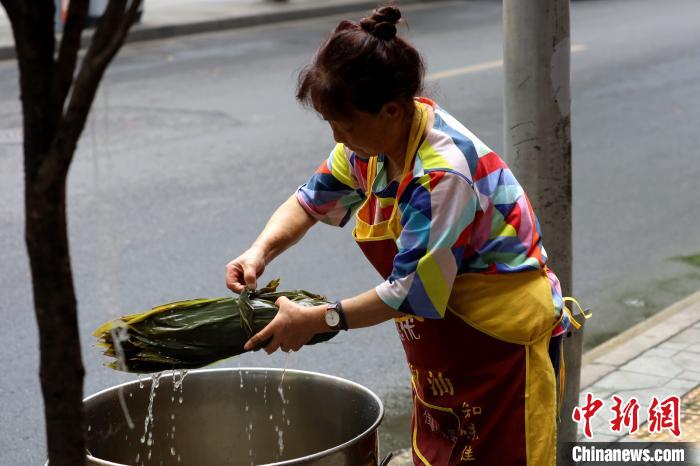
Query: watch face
[332,318]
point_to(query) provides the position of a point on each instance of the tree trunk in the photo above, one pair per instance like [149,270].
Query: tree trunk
[61,369]
[51,133]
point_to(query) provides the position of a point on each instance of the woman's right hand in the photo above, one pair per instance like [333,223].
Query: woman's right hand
[245,270]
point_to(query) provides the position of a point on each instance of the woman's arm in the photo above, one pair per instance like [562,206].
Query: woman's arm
[294,325]
[286,226]
[365,310]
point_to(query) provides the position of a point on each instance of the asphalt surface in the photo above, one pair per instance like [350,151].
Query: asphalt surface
[194,141]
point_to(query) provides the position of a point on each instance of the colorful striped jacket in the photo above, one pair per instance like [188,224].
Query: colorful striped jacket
[462,212]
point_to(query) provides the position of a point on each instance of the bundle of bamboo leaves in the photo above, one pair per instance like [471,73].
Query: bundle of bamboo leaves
[191,334]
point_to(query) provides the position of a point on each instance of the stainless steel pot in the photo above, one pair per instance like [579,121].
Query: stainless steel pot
[237,417]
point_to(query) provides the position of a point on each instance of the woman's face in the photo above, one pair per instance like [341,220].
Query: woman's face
[369,134]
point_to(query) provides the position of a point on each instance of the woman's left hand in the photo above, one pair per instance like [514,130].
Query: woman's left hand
[292,327]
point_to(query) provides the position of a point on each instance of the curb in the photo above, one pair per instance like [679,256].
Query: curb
[624,337]
[623,348]
[146,33]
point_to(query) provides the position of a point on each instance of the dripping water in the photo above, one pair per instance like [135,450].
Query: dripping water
[119,334]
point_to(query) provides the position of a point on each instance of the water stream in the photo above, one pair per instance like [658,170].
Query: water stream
[147,436]
[284,371]
[148,439]
[178,385]
[119,335]
[280,390]
[277,417]
[249,426]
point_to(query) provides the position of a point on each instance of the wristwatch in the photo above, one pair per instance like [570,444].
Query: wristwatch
[335,317]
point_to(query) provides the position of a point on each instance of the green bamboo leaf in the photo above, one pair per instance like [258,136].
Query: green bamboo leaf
[194,333]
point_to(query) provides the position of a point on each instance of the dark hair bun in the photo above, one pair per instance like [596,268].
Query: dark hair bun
[382,23]
[362,67]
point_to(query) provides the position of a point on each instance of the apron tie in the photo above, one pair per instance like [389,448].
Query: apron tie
[562,366]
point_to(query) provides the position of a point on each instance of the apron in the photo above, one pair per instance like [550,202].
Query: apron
[482,380]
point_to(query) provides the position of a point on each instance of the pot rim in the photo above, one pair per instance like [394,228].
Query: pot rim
[316,455]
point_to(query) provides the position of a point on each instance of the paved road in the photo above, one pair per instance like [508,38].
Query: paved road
[193,142]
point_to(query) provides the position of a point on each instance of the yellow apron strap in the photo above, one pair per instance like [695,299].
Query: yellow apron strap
[420,118]
[371,173]
[562,379]
[574,322]
[562,365]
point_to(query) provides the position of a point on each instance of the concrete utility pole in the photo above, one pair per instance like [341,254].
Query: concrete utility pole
[536,57]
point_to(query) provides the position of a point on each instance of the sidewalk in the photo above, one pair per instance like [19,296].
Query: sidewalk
[659,357]
[170,18]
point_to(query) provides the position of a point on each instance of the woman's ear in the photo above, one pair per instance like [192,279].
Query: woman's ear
[392,111]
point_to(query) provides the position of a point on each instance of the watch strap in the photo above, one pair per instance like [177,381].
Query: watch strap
[341,313]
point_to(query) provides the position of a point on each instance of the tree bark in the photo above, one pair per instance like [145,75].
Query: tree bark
[61,369]
[50,140]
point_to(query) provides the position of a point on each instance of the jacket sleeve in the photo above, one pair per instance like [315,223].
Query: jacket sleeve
[332,195]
